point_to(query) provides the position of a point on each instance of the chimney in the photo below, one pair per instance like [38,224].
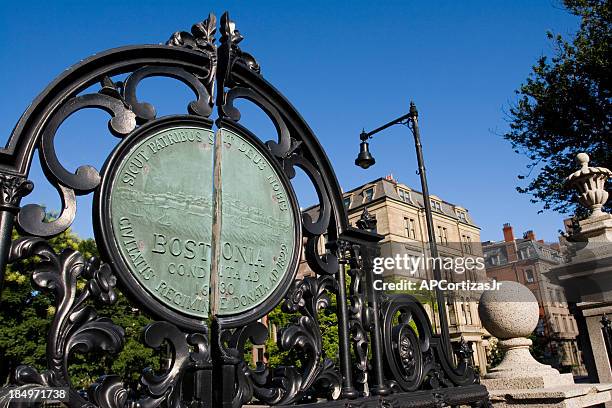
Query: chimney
[511,249]
[508,234]
[530,235]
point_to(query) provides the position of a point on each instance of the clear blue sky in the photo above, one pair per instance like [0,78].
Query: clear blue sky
[344,65]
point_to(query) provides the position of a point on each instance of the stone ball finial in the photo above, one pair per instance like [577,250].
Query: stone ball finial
[511,311]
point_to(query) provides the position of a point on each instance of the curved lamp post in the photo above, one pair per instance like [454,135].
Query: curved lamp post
[365,160]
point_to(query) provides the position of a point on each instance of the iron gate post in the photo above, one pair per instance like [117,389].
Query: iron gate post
[348,390]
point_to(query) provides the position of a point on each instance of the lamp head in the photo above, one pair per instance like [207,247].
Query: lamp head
[364,158]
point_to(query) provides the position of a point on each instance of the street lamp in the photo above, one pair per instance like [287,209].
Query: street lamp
[365,160]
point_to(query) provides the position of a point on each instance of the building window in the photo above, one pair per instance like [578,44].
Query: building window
[260,354]
[436,205]
[467,247]
[368,194]
[468,314]
[347,202]
[442,235]
[410,228]
[451,314]
[404,195]
[461,215]
[529,276]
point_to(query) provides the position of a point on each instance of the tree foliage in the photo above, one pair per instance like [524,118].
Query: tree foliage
[563,108]
[26,315]
[328,320]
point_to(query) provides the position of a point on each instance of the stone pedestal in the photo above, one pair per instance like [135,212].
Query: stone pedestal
[511,314]
[587,276]
[520,370]
[592,314]
[574,396]
[587,280]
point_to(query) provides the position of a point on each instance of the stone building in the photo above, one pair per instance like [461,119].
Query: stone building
[526,261]
[400,216]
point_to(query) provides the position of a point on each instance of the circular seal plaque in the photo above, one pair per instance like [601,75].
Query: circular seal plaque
[197,222]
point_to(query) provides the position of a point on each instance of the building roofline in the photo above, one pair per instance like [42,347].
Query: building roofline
[383,194]
[407,187]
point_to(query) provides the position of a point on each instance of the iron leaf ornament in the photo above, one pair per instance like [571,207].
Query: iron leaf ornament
[76,326]
[202,36]
[231,35]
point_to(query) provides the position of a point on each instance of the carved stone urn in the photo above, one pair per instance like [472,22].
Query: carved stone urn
[590,183]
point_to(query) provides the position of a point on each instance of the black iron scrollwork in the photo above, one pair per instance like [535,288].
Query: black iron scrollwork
[307,296]
[248,382]
[31,219]
[145,111]
[201,38]
[406,341]
[166,387]
[189,351]
[285,385]
[230,35]
[327,263]
[359,318]
[76,326]
[280,148]
[86,178]
[411,354]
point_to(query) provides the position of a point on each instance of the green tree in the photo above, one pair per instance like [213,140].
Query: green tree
[328,321]
[564,107]
[26,315]
[277,357]
[538,348]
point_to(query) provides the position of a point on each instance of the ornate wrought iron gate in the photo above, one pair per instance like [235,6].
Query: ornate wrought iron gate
[389,355]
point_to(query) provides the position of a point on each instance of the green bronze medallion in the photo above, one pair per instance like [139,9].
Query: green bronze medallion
[171,236]
[162,212]
[257,226]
